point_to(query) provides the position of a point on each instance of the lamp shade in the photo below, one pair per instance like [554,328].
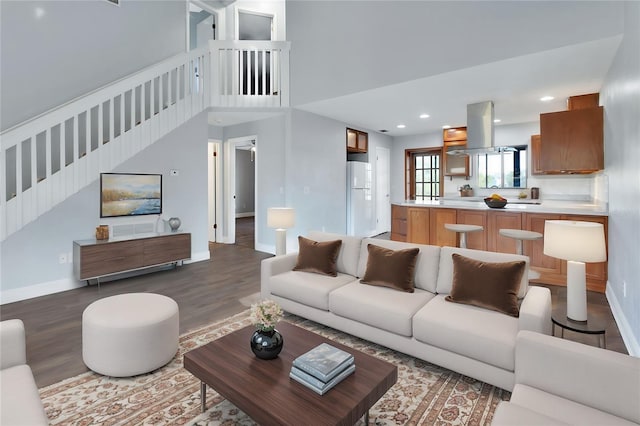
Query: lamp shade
[574,240]
[281,217]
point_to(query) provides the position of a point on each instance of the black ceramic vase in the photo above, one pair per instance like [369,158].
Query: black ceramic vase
[266,344]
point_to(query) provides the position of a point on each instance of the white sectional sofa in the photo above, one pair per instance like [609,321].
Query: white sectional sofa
[559,382]
[21,403]
[471,340]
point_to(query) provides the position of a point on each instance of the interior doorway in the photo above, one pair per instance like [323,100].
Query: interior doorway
[235,149]
[383,190]
[214,190]
[201,26]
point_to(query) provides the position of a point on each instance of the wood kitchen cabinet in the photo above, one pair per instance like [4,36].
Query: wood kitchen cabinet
[399,223]
[454,139]
[475,240]
[596,272]
[536,167]
[546,265]
[418,225]
[357,141]
[572,141]
[438,235]
[498,220]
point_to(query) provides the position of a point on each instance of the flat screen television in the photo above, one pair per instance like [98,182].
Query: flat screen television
[130,194]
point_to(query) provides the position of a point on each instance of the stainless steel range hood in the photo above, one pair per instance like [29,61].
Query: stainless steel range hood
[480,135]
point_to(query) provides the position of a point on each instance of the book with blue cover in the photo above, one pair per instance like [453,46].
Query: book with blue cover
[323,362]
[316,385]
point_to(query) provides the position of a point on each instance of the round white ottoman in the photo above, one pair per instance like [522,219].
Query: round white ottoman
[129,334]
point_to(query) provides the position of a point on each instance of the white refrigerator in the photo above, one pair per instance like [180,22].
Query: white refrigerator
[361,221]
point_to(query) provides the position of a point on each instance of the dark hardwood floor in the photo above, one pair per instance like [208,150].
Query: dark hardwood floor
[245,232]
[205,292]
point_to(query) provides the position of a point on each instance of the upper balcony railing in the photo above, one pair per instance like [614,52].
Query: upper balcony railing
[249,73]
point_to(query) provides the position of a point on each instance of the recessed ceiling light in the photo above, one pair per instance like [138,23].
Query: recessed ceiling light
[446,126]
[401,126]
[546,98]
[497,120]
[424,115]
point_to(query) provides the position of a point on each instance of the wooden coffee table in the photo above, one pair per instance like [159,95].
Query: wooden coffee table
[264,391]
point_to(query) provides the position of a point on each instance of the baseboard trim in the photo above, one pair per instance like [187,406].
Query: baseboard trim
[245,214]
[266,248]
[37,290]
[57,286]
[629,339]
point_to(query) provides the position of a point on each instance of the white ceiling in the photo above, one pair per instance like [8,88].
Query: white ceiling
[515,85]
[231,118]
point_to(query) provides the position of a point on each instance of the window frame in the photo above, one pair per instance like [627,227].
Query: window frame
[517,166]
[410,171]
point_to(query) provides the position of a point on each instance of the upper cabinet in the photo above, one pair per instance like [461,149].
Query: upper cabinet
[571,141]
[454,139]
[357,141]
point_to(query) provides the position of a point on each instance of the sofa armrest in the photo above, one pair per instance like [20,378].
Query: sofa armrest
[535,310]
[606,380]
[274,266]
[13,348]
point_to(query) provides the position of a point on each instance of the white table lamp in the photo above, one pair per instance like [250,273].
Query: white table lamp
[281,218]
[577,243]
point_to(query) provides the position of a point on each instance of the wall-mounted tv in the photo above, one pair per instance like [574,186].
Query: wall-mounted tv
[130,194]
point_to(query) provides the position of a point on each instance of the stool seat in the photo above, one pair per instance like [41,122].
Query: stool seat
[462,229]
[129,334]
[520,234]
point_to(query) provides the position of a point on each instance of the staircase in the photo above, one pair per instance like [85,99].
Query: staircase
[48,158]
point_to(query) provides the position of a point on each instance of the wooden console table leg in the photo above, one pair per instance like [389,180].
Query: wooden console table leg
[203,396]
[366,418]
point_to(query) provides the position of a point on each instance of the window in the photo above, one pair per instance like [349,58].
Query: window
[506,169]
[423,174]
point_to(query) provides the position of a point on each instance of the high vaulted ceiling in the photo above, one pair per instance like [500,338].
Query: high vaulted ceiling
[379,63]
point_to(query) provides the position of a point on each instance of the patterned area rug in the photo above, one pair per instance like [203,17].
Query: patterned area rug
[424,393]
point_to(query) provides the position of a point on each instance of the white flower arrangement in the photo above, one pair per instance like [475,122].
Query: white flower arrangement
[265,315]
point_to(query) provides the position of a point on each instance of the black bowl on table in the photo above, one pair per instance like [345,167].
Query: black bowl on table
[495,204]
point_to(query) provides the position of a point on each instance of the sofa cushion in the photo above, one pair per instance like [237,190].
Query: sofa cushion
[317,257]
[445,270]
[508,414]
[426,272]
[488,285]
[347,261]
[390,268]
[378,307]
[21,403]
[564,410]
[477,333]
[306,288]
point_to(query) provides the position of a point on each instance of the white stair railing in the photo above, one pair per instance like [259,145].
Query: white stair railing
[52,156]
[250,73]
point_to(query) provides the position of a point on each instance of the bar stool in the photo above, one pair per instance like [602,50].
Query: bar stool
[462,229]
[519,235]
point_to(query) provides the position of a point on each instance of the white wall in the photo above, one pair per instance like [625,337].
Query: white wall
[343,47]
[620,97]
[54,51]
[30,256]
[579,187]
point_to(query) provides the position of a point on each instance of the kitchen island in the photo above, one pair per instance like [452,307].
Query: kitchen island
[423,222]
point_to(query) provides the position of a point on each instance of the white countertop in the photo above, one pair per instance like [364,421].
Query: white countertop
[515,205]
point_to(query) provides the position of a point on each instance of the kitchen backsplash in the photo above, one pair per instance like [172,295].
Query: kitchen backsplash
[593,187]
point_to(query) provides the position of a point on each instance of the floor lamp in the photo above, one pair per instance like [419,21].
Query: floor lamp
[577,243]
[281,218]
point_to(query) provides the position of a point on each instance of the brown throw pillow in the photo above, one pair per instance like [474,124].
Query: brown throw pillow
[487,285]
[318,257]
[391,268]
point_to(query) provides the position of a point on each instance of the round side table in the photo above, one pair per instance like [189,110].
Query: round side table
[591,326]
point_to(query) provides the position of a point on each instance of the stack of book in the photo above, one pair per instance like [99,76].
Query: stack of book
[322,368]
